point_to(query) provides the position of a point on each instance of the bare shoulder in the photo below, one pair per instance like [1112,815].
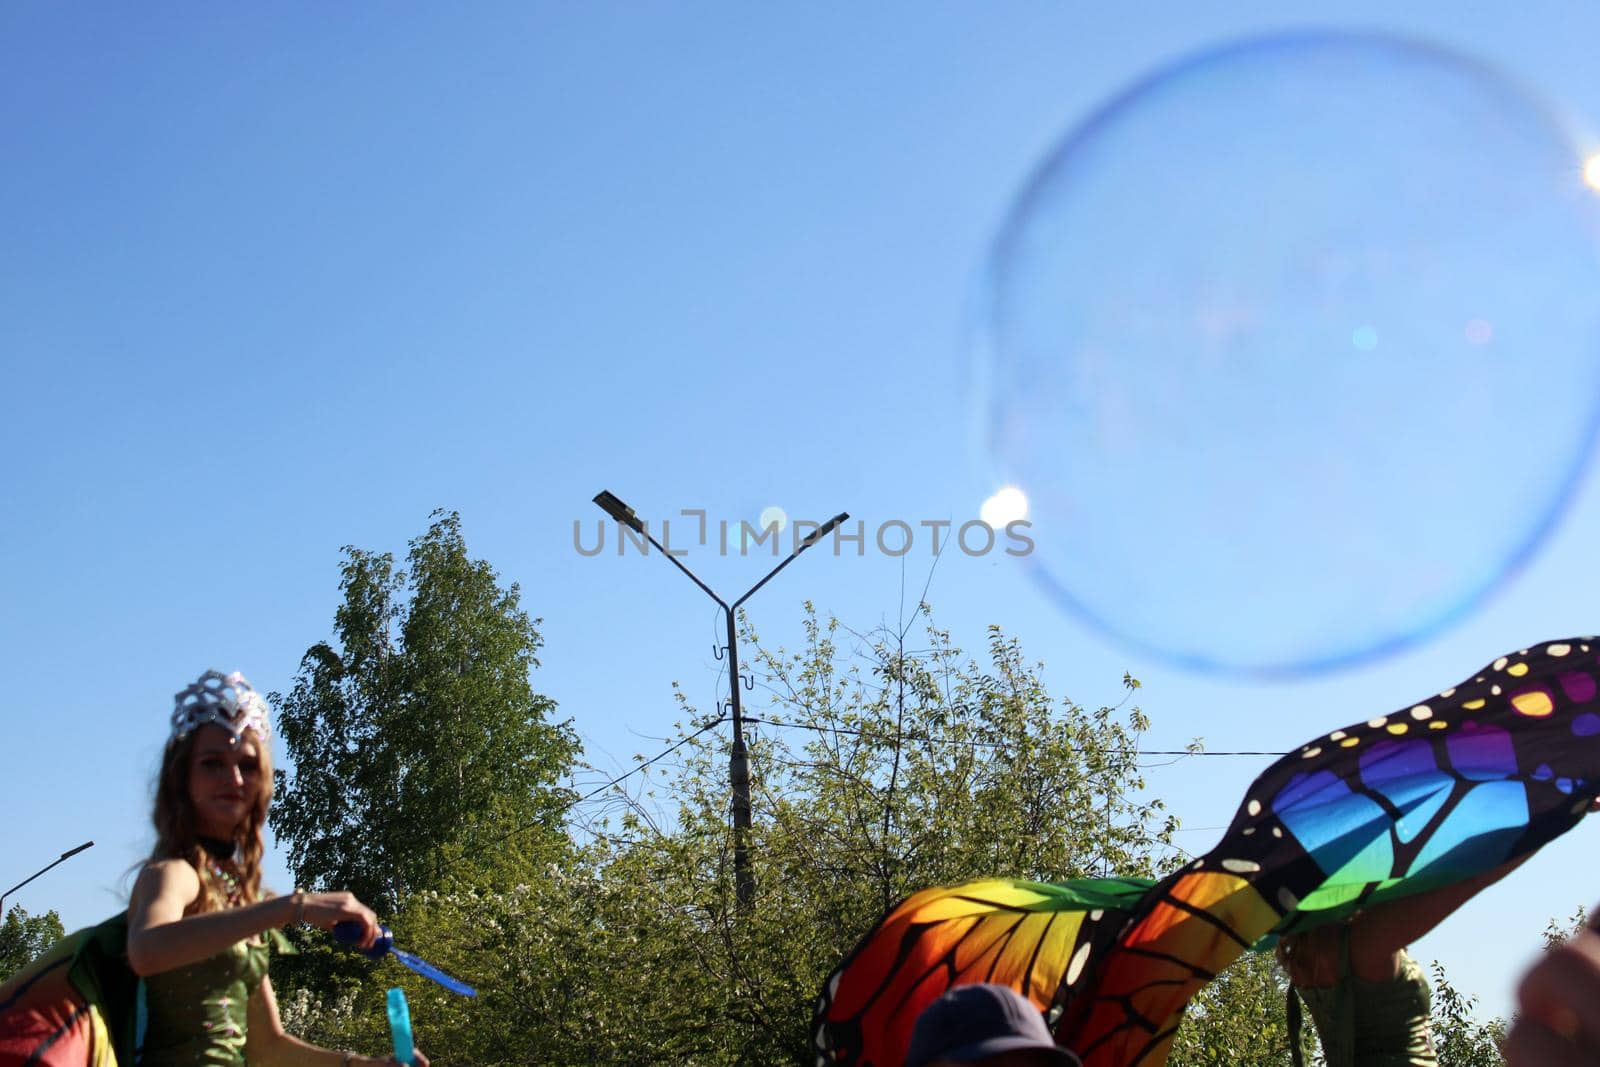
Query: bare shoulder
[168,872]
[164,882]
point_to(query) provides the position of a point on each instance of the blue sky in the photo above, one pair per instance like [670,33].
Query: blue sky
[276,282]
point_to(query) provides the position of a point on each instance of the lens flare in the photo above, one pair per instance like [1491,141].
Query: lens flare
[1006,505]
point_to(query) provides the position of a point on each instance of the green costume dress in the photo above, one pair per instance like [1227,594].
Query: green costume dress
[196,1016]
[1369,1024]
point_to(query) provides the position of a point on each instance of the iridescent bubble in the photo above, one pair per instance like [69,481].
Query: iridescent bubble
[1478,332]
[1294,348]
[773,516]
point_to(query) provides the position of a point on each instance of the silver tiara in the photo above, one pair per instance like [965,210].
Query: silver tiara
[224,699]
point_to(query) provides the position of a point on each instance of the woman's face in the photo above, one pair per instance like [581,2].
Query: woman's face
[224,780]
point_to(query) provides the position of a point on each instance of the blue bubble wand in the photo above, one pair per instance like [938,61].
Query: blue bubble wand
[349,933]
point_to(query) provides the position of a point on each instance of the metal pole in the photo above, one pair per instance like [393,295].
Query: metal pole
[744,880]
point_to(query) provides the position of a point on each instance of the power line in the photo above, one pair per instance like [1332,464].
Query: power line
[988,744]
[663,754]
[782,724]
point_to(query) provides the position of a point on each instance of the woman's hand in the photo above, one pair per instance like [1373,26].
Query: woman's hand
[329,909]
[270,1046]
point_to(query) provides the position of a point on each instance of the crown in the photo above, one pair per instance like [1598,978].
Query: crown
[225,699]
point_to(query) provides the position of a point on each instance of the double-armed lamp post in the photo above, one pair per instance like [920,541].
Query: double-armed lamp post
[739,758]
[67,855]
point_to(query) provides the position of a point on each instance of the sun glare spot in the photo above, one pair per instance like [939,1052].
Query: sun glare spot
[1007,505]
[1591,172]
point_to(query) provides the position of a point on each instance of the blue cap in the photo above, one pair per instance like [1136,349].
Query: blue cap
[970,1023]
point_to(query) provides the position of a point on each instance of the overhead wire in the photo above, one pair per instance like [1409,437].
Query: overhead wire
[619,779]
[945,740]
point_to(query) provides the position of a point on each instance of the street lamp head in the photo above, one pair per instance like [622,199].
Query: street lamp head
[618,510]
[74,851]
[64,856]
[827,528]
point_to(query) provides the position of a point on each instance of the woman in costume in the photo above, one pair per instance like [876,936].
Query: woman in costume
[187,986]
[1368,999]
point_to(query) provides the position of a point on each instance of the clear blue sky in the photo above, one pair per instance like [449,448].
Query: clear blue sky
[273,282]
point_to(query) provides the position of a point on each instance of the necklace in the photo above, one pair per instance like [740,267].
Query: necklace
[223,869]
[234,892]
[216,852]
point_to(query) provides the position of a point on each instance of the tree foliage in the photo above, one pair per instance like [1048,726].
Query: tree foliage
[24,938]
[1460,1038]
[878,768]
[415,734]
[1557,932]
[1239,1020]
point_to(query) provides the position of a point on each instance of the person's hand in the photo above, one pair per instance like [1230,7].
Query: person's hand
[417,1060]
[328,909]
[1559,1022]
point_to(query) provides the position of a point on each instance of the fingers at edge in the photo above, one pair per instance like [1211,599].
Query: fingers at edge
[1532,1044]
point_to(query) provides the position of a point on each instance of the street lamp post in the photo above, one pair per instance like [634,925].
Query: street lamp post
[67,855]
[739,757]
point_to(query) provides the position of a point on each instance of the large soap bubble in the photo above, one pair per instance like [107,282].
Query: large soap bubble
[1295,349]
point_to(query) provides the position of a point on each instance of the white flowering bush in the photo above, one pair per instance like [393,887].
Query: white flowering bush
[322,1021]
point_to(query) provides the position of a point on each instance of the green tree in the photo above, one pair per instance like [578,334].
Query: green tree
[416,736]
[24,938]
[1557,931]
[1459,1038]
[1239,1020]
[878,770]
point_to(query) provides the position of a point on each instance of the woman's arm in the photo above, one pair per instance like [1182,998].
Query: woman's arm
[161,938]
[269,1046]
[1378,935]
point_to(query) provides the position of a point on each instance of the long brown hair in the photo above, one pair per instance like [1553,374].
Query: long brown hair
[177,838]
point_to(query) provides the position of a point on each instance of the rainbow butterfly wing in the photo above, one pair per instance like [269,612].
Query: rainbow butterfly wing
[1435,793]
[73,1005]
[1490,771]
[1028,935]
[1127,1009]
[1486,772]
